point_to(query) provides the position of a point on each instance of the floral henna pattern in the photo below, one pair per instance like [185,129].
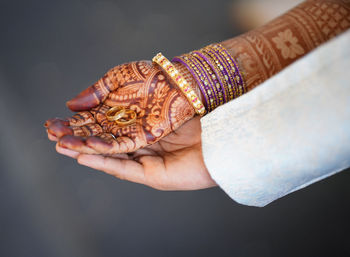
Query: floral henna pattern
[288,44]
[140,86]
[265,51]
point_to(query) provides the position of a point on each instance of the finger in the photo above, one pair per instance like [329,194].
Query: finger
[87,130]
[102,144]
[78,119]
[51,137]
[110,147]
[93,95]
[146,151]
[81,118]
[50,121]
[103,139]
[67,152]
[76,144]
[120,168]
[121,144]
[58,129]
[127,139]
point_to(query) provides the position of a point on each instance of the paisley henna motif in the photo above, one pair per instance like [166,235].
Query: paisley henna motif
[139,86]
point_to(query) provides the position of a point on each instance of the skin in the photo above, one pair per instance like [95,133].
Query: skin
[163,148]
[173,163]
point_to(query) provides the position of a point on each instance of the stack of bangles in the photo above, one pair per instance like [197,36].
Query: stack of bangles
[216,72]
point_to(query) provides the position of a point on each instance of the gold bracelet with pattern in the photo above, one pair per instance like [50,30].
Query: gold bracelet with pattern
[205,80]
[181,82]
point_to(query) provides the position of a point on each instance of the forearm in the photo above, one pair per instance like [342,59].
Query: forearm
[264,51]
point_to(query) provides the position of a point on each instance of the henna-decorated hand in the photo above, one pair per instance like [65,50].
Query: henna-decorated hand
[140,86]
[173,163]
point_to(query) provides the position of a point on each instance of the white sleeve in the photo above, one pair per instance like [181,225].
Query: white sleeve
[287,133]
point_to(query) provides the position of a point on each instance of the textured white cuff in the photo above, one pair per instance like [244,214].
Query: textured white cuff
[289,132]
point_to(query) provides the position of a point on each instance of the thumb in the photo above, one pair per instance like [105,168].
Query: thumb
[93,95]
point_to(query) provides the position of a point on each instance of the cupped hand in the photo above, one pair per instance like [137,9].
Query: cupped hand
[140,86]
[173,163]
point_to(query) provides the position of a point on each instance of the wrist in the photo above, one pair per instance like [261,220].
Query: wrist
[215,73]
[177,78]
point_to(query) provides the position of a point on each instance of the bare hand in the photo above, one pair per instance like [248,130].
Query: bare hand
[173,163]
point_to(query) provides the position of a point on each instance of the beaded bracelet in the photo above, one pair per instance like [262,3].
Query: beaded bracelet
[180,81]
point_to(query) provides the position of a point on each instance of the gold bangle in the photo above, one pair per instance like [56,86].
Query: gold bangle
[124,121]
[181,82]
[115,113]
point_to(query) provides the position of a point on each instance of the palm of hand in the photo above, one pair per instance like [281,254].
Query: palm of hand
[173,163]
[138,86]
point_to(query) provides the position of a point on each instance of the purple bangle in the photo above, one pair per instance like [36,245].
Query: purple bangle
[221,68]
[216,74]
[179,59]
[224,67]
[210,85]
[237,72]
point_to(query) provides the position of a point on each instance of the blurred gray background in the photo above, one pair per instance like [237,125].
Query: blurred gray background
[51,206]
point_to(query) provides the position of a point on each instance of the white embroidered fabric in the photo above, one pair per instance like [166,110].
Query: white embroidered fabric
[287,133]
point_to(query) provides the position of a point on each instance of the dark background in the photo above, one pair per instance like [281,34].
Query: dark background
[51,206]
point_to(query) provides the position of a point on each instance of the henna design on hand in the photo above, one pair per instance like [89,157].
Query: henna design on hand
[161,107]
[265,51]
[140,86]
